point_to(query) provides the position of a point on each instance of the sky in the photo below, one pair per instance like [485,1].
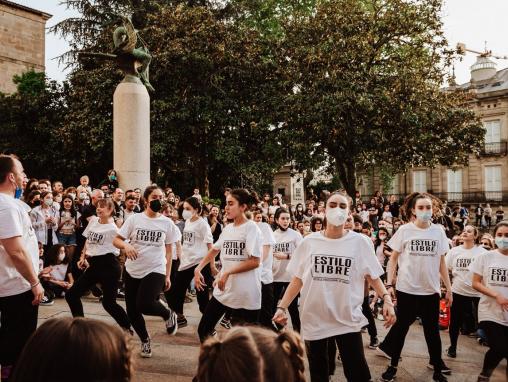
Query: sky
[472,22]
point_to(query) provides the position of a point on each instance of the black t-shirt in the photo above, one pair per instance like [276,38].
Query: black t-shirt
[395,209]
[88,211]
[218,230]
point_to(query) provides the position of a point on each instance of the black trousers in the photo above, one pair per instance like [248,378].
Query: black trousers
[266,313]
[215,310]
[410,306]
[497,338]
[105,270]
[142,297]
[367,312]
[279,288]
[18,320]
[461,308]
[175,296]
[351,353]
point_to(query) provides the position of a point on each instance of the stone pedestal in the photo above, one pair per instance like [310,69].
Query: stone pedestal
[131,134]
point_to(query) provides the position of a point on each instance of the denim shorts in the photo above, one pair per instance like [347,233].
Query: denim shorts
[67,239]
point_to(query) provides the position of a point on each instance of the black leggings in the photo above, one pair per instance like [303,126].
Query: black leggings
[410,306]
[105,270]
[278,291]
[215,310]
[142,297]
[322,360]
[367,312]
[462,307]
[175,296]
[266,313]
[497,338]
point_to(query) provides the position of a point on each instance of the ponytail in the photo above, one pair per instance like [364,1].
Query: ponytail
[292,345]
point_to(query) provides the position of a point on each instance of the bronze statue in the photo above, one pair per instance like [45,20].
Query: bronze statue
[132,60]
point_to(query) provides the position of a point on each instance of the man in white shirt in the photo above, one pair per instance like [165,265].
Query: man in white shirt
[20,289]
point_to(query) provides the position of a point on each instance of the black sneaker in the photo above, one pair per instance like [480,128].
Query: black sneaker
[483,378]
[172,323]
[225,323]
[120,294]
[182,321]
[374,343]
[439,377]
[444,369]
[389,374]
[451,352]
[46,301]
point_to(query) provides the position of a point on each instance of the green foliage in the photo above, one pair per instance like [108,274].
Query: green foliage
[369,76]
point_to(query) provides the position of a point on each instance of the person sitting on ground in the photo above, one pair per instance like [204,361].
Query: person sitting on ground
[252,354]
[77,349]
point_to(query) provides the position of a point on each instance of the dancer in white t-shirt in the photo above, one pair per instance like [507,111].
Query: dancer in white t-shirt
[286,242]
[99,259]
[329,269]
[238,284]
[266,273]
[490,278]
[147,239]
[465,298]
[197,241]
[419,250]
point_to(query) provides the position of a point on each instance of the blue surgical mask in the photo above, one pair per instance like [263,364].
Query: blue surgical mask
[502,242]
[18,193]
[424,216]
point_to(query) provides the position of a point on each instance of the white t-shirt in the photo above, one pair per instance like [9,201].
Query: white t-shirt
[99,238]
[493,267]
[333,274]
[266,266]
[237,244]
[59,272]
[196,236]
[285,242]
[272,209]
[458,260]
[149,237]
[14,221]
[420,257]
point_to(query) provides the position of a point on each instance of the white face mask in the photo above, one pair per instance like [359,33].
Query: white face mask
[336,216]
[186,214]
[61,256]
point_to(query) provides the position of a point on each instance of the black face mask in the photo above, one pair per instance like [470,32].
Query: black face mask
[358,230]
[155,205]
[36,203]
[282,228]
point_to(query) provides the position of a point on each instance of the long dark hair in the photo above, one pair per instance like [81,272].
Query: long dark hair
[53,255]
[73,206]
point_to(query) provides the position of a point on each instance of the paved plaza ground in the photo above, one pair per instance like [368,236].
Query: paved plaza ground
[175,357]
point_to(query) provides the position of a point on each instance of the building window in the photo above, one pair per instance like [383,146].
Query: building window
[454,185]
[394,186]
[420,181]
[493,183]
[493,131]
[365,186]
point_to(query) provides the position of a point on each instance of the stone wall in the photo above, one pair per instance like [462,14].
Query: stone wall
[22,42]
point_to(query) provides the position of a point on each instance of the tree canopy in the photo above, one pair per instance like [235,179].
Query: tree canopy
[242,87]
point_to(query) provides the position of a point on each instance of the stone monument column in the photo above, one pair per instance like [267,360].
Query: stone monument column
[131,133]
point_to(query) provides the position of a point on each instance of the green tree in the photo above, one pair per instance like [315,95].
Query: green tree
[368,81]
[216,104]
[30,123]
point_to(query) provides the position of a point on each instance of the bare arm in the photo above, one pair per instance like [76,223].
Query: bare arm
[169,264]
[478,285]
[199,280]
[391,270]
[388,310]
[245,266]
[445,276]
[294,287]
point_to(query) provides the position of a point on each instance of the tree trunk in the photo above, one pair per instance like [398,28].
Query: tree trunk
[347,176]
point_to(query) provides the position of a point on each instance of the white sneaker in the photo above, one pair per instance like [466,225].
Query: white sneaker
[146,349]
[172,323]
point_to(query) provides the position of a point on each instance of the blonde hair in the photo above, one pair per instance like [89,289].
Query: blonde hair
[252,354]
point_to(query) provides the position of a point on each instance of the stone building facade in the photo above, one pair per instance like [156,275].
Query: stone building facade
[22,42]
[485,178]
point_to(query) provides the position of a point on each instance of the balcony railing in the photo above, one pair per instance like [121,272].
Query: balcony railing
[474,197]
[495,148]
